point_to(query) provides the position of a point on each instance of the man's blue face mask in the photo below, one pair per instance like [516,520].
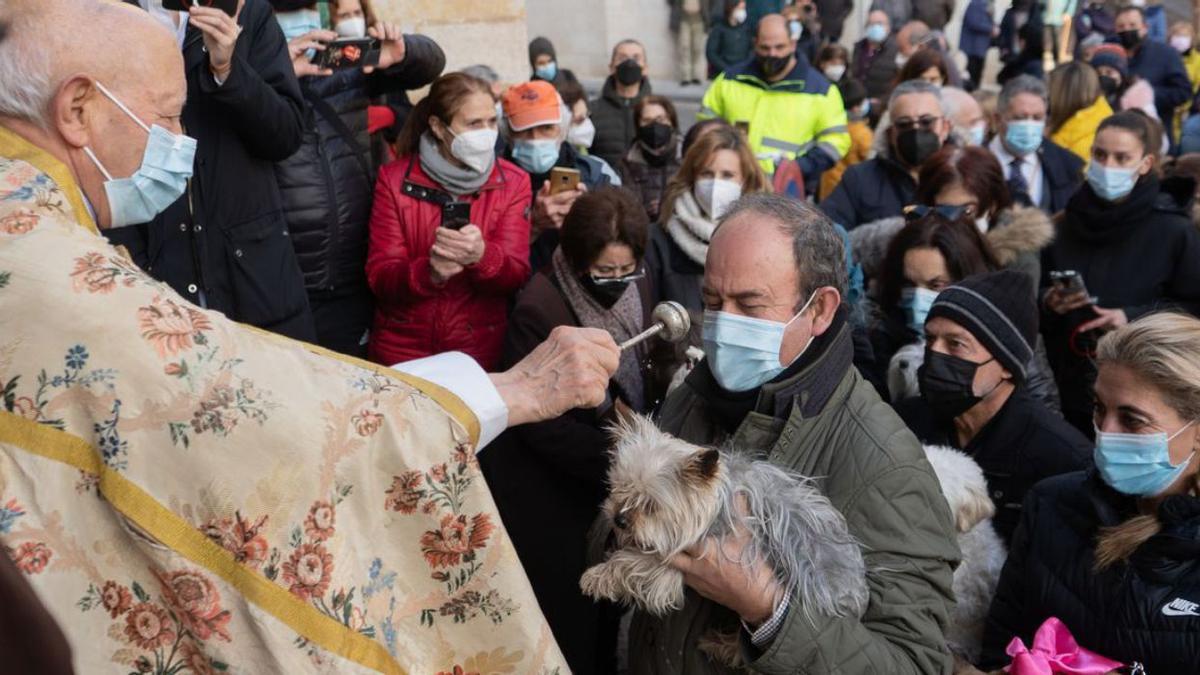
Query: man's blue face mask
[158,182]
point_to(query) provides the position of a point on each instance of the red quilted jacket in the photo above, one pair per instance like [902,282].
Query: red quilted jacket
[413,317]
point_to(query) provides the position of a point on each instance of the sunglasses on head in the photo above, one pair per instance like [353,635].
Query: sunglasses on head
[919,211]
[926,122]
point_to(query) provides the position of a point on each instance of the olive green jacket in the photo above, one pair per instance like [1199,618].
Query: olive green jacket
[827,422]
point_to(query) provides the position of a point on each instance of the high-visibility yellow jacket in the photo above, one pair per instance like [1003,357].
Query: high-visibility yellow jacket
[799,117]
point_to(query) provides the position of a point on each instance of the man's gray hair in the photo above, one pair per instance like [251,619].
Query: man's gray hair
[816,245]
[483,72]
[1021,84]
[25,87]
[910,87]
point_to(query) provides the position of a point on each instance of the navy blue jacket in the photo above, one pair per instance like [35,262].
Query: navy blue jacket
[1062,174]
[976,30]
[871,190]
[1161,66]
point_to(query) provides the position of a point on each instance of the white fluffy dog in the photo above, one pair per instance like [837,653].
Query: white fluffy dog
[902,371]
[983,553]
[667,495]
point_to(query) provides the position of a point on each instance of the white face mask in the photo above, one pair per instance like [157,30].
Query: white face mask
[715,195]
[835,72]
[583,134]
[738,16]
[901,60]
[983,224]
[475,148]
[1181,43]
[354,27]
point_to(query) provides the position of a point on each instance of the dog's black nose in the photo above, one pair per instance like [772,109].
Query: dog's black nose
[620,522]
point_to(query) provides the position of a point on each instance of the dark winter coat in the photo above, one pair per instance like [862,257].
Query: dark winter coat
[646,176]
[414,318]
[1160,65]
[673,275]
[328,183]
[727,46]
[225,244]
[875,69]
[976,36]
[1139,255]
[872,190]
[613,117]
[821,419]
[1144,610]
[1023,444]
[548,480]
[833,15]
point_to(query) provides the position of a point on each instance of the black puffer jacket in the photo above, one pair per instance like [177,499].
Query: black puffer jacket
[613,117]
[647,175]
[1144,610]
[326,185]
[1140,255]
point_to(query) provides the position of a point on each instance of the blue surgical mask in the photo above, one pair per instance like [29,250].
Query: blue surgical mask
[978,134]
[536,157]
[157,183]
[795,29]
[916,302]
[1138,464]
[298,22]
[743,352]
[864,109]
[1024,137]
[876,32]
[1111,183]
[547,72]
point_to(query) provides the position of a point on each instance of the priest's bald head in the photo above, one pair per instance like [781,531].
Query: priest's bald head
[70,65]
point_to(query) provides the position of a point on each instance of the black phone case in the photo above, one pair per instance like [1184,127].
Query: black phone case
[341,54]
[456,215]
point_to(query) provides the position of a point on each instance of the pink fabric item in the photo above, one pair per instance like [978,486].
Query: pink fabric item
[1055,652]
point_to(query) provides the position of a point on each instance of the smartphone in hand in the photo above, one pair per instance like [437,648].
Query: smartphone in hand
[456,215]
[227,6]
[563,180]
[348,53]
[1068,282]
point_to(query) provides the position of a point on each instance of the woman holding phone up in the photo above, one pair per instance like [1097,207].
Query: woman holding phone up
[1129,239]
[443,274]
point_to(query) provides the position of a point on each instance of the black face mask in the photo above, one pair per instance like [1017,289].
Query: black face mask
[607,294]
[773,65]
[629,72]
[948,384]
[914,146]
[1130,39]
[655,135]
[1109,84]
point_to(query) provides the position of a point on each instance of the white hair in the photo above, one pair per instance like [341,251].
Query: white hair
[25,87]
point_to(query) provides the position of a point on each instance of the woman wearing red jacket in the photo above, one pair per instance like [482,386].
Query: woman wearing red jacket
[439,288]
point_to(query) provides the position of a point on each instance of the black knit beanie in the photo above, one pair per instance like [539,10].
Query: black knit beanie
[999,309]
[539,46]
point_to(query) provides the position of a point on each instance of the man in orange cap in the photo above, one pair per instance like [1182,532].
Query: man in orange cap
[535,125]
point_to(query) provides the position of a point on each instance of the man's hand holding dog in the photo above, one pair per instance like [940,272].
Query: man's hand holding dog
[714,569]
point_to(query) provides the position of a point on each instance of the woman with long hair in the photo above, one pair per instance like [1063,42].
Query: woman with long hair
[449,233]
[1077,106]
[1113,552]
[718,168]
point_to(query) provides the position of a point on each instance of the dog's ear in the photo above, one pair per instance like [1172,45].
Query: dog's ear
[702,466]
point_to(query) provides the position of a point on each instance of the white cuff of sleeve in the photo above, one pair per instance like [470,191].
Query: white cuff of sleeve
[464,378]
[765,634]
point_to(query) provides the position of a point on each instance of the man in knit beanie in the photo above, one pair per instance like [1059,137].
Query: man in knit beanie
[980,334]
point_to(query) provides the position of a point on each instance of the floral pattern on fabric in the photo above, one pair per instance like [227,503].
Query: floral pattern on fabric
[165,636]
[130,415]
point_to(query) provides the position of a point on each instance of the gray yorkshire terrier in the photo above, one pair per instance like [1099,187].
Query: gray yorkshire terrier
[667,496]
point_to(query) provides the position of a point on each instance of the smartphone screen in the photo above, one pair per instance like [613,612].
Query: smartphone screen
[348,53]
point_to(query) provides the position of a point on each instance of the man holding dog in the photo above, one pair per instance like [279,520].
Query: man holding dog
[778,381]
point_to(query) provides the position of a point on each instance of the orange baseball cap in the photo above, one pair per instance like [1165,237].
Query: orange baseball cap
[531,104]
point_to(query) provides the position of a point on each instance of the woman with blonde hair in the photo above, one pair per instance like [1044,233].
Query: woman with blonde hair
[1115,552]
[1077,106]
[719,167]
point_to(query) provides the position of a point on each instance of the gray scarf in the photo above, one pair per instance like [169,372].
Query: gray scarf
[457,180]
[622,321]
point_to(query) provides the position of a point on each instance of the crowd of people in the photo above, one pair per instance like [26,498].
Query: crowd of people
[882,249]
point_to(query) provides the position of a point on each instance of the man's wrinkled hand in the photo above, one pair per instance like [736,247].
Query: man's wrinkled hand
[571,369]
[549,210]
